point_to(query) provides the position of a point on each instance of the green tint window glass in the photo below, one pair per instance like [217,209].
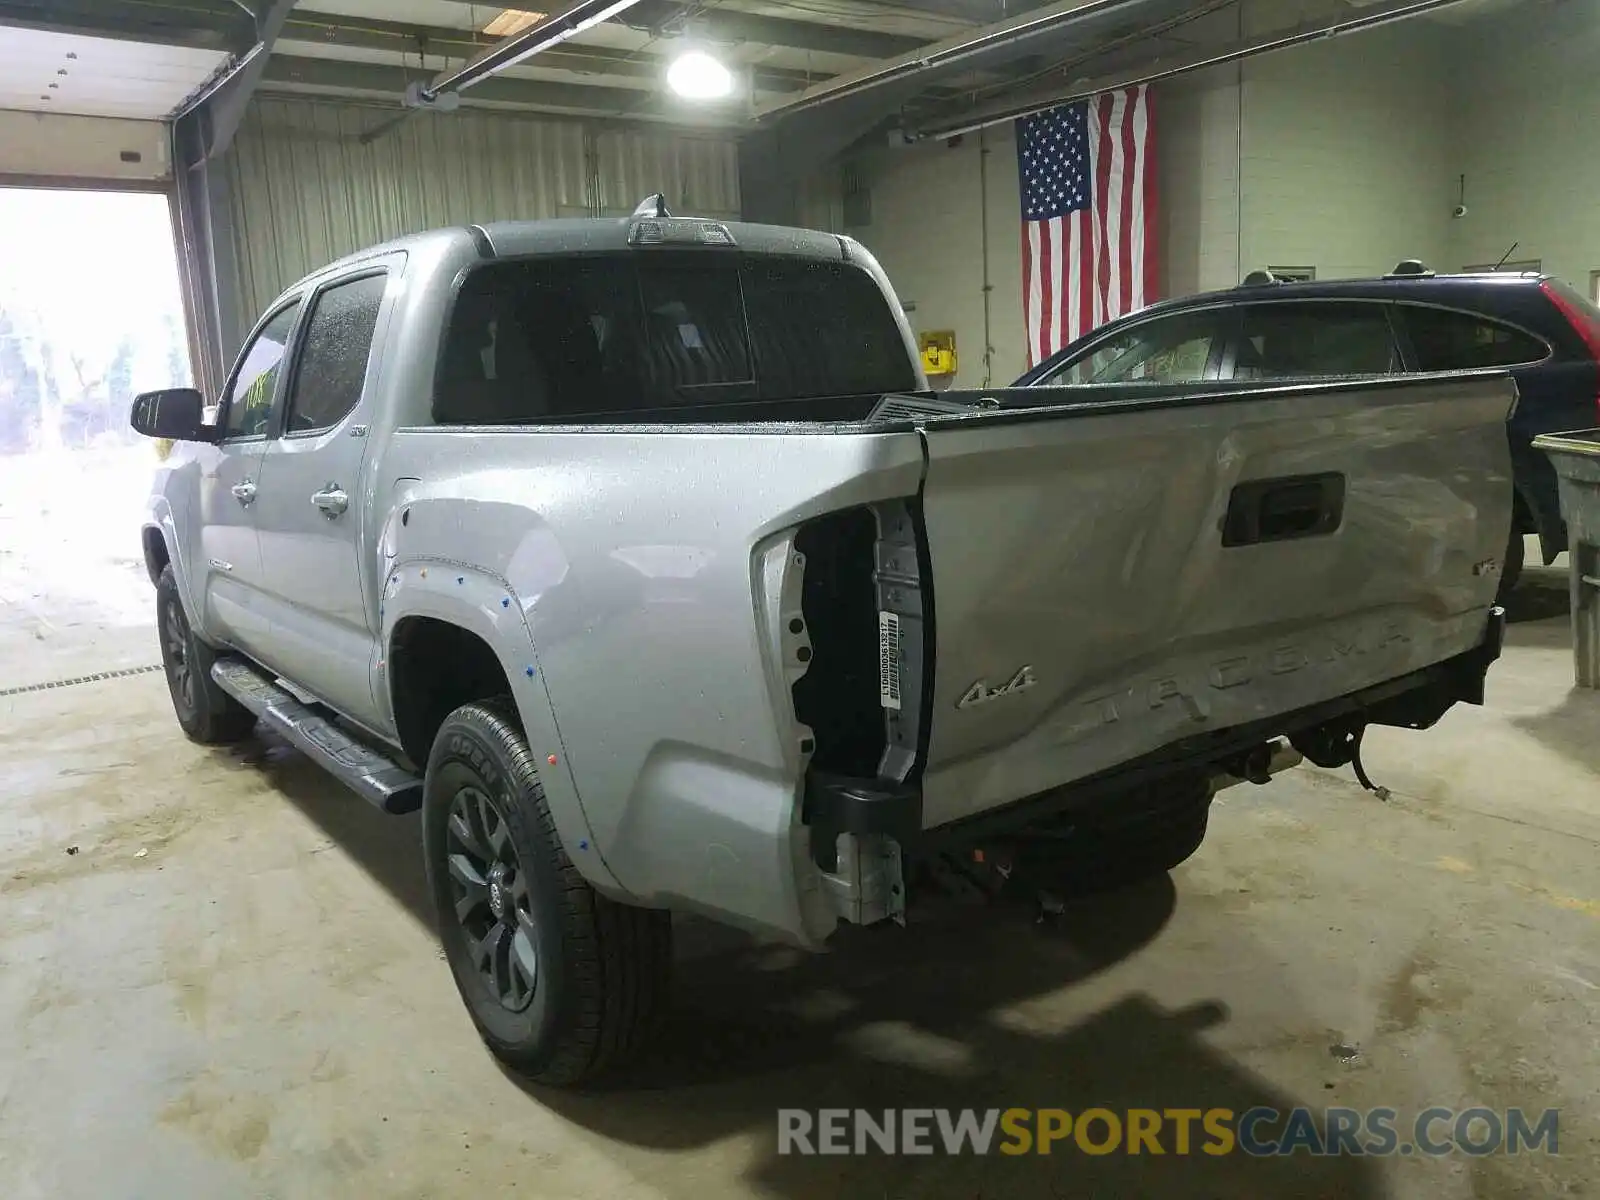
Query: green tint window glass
[250,399]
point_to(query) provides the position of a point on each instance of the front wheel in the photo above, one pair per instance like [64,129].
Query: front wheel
[207,713]
[561,982]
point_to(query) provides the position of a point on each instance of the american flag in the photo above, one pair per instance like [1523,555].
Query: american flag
[1088,216]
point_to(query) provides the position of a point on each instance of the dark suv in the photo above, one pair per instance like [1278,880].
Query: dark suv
[1410,321]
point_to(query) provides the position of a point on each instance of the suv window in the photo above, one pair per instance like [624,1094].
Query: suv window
[1173,349]
[1456,341]
[250,397]
[1278,341]
[328,379]
[596,335]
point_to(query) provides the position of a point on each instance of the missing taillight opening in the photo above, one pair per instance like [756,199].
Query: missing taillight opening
[838,695]
[868,614]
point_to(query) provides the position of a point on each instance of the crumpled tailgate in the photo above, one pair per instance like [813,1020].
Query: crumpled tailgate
[1110,578]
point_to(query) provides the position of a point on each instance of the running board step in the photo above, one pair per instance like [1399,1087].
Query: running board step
[357,765]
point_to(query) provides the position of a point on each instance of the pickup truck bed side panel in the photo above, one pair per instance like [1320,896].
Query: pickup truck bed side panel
[1090,551]
[443,588]
[645,561]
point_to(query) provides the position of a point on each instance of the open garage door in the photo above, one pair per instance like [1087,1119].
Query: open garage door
[79,109]
[89,313]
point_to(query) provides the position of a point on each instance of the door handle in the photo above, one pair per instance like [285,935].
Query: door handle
[244,492]
[1281,510]
[331,500]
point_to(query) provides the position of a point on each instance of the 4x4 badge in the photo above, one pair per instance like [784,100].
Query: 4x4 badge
[982,693]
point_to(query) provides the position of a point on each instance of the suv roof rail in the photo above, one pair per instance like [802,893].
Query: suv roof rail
[1410,268]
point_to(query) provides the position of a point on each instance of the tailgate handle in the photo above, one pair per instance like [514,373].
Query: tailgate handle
[1281,510]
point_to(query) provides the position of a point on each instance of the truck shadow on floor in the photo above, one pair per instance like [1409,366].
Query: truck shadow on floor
[968,1008]
[961,1009]
[387,848]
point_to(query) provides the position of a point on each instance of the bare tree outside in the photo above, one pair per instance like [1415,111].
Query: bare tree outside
[90,315]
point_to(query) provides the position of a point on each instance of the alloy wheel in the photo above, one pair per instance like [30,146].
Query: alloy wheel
[489,890]
[176,634]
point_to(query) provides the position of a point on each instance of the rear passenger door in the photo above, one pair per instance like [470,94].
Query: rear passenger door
[1299,339]
[310,514]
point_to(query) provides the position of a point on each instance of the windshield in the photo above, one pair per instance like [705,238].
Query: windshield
[663,332]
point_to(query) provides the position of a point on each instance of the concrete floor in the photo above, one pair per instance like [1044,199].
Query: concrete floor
[231,988]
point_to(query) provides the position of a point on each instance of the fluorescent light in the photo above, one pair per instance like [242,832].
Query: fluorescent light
[695,75]
[512,20]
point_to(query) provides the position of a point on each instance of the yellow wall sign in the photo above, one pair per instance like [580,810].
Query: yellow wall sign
[938,349]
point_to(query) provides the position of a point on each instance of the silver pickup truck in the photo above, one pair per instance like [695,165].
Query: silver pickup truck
[636,554]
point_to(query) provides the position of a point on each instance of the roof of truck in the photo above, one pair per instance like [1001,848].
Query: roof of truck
[578,235]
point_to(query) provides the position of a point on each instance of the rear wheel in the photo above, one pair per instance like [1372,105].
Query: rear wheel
[207,713]
[561,983]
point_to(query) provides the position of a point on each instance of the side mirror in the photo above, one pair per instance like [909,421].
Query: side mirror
[172,413]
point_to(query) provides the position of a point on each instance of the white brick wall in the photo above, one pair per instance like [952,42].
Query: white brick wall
[1346,166]
[1346,162]
[1527,121]
[927,232]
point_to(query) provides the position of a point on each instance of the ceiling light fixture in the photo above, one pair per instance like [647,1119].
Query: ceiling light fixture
[512,20]
[695,75]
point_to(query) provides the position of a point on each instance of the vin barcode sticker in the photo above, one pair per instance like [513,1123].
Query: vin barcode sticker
[889,659]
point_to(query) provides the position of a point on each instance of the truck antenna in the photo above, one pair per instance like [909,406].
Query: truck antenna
[1507,255]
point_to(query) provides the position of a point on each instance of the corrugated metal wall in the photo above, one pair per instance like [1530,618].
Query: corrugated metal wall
[698,175]
[302,189]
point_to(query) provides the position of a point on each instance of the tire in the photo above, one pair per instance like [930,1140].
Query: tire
[575,990]
[207,713]
[1511,570]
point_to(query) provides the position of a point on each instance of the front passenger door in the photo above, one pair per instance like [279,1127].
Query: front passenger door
[230,559]
[309,511]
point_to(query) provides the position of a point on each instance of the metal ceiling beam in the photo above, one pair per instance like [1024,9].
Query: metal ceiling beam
[1013,32]
[1025,104]
[402,38]
[327,74]
[726,25]
[212,115]
[226,101]
[552,30]
[1035,68]
[198,24]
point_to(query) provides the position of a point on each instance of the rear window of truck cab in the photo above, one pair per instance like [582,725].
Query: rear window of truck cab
[663,334]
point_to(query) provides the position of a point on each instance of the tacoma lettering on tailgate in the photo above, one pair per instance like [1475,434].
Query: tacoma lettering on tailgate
[1191,688]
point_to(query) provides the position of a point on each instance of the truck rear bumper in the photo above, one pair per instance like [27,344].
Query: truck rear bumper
[835,805]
